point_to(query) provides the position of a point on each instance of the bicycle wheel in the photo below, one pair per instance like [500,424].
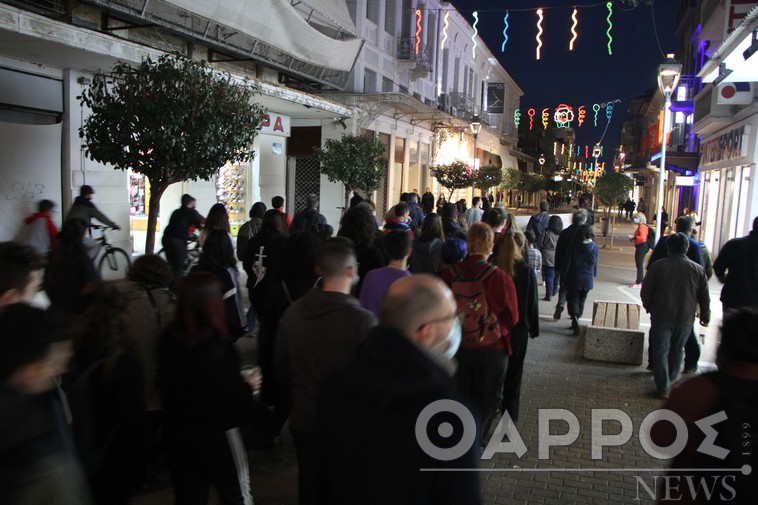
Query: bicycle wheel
[114,264]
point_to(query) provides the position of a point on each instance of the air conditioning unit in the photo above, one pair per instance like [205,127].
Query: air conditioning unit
[443,102]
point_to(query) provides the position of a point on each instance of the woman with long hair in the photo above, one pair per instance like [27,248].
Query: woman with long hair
[427,247]
[217,219]
[359,225]
[549,240]
[107,397]
[511,260]
[218,259]
[205,399]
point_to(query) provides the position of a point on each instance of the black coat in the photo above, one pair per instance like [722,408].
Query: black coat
[739,257]
[366,429]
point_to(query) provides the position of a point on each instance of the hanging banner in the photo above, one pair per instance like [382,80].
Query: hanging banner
[495,97]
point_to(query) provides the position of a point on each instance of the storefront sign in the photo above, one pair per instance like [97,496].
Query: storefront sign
[275,124]
[727,147]
[685,180]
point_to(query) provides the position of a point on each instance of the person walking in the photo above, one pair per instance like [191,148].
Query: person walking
[316,334]
[562,248]
[549,272]
[206,400]
[427,202]
[578,273]
[397,249]
[736,266]
[671,290]
[250,228]
[277,203]
[217,219]
[538,223]
[427,247]
[358,224]
[641,246]
[368,449]
[177,233]
[308,219]
[38,230]
[474,214]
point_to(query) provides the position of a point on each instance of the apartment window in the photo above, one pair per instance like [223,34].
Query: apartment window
[369,81]
[387,85]
[389,16]
[471,87]
[372,11]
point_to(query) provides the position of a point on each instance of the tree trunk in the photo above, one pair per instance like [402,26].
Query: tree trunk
[154,208]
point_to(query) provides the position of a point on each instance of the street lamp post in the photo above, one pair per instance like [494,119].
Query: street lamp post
[542,162]
[476,127]
[668,78]
[596,155]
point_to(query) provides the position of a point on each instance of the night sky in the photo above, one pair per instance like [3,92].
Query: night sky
[588,74]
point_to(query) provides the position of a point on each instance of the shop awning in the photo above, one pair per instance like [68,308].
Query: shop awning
[679,161]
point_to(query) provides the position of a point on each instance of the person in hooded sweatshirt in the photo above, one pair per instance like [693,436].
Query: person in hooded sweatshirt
[39,231]
[372,410]
[317,333]
[427,248]
[578,272]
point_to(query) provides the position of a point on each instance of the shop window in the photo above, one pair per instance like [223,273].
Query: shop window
[231,190]
[137,195]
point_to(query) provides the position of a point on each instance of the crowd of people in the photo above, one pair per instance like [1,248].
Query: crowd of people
[356,334]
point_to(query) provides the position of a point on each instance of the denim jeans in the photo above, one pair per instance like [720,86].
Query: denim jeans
[667,350]
[552,278]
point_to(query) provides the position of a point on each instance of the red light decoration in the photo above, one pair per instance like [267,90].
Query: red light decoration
[531,113]
[418,29]
[539,32]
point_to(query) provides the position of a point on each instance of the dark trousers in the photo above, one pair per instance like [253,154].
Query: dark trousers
[307,468]
[575,299]
[552,278]
[268,323]
[562,292]
[691,351]
[176,252]
[480,377]
[640,251]
[515,371]
[200,459]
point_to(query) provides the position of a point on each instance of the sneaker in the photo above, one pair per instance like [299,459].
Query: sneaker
[636,285]
[558,312]
[689,371]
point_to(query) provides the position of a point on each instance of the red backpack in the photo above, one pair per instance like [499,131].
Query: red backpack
[480,327]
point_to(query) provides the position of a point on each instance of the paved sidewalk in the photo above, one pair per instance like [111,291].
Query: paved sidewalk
[556,377]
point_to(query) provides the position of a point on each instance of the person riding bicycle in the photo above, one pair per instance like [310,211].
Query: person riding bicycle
[84,209]
[176,234]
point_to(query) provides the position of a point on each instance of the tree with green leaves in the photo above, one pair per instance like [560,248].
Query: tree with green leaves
[357,161]
[455,175]
[613,187]
[172,119]
[511,178]
[534,182]
[487,177]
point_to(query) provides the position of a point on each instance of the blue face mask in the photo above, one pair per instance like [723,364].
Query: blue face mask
[453,339]
[637,220]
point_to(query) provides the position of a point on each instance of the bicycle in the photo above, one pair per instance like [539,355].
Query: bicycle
[192,256]
[114,263]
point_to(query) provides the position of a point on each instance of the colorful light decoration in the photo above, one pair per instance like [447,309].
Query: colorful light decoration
[505,31]
[444,30]
[596,108]
[517,117]
[539,32]
[609,110]
[578,151]
[563,116]
[582,114]
[573,30]
[563,149]
[586,151]
[473,36]
[545,117]
[609,5]
[418,30]
[531,113]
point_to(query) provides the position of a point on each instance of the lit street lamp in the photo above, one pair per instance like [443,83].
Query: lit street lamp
[668,78]
[542,162]
[476,127]
[596,155]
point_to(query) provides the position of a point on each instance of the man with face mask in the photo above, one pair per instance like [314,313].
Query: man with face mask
[374,428]
[315,335]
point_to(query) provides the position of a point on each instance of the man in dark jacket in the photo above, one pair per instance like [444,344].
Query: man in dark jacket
[685,225]
[177,233]
[670,292]
[737,267]
[84,209]
[450,226]
[417,216]
[538,224]
[310,218]
[317,333]
[376,413]
[565,240]
[427,201]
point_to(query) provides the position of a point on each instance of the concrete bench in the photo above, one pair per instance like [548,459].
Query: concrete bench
[614,334]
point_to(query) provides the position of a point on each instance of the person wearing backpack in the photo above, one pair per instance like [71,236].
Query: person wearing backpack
[641,238]
[486,298]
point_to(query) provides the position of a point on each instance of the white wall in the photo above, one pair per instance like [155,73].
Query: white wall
[273,169]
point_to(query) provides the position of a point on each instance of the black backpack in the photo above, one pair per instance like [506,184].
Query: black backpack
[650,238]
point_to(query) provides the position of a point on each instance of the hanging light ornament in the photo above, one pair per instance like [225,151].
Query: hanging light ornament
[573,30]
[531,113]
[505,31]
[609,110]
[563,116]
[539,32]
[596,108]
[586,151]
[582,114]
[517,117]
[418,30]
[609,5]
[444,30]
[545,117]
[473,36]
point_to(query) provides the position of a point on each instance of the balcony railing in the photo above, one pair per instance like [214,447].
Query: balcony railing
[408,49]
[56,6]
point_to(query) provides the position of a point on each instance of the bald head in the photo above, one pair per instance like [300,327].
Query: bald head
[415,301]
